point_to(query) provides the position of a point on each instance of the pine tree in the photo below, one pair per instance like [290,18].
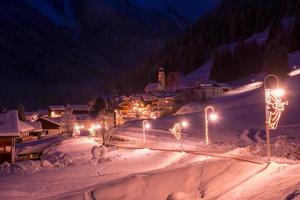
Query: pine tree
[98,106]
[276,32]
[294,35]
[276,59]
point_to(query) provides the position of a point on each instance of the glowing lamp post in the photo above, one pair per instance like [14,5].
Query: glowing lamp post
[93,129]
[211,117]
[77,129]
[146,125]
[273,108]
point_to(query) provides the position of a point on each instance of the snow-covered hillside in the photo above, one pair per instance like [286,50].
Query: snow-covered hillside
[203,72]
[232,167]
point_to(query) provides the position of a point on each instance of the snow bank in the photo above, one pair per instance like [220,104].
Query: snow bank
[218,179]
[70,151]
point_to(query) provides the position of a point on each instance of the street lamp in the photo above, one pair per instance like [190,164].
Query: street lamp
[77,129]
[273,108]
[93,129]
[212,117]
[146,125]
[184,124]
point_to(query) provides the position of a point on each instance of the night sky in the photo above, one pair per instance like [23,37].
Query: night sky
[191,9]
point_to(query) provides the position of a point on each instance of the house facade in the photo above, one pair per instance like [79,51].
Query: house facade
[9,131]
[51,126]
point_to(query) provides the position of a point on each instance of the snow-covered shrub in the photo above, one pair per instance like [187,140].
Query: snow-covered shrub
[99,154]
[4,165]
[58,159]
[284,147]
[4,168]
[25,167]
[46,164]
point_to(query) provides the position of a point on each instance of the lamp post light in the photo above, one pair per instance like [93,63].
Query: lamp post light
[273,108]
[212,117]
[146,125]
[77,129]
[93,129]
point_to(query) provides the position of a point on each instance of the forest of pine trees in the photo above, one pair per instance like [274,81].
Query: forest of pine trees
[250,57]
[231,21]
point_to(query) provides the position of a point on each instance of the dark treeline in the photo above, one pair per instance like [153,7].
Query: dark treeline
[250,57]
[231,21]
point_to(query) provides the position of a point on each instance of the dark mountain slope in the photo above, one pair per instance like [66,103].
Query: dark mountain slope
[75,51]
[231,21]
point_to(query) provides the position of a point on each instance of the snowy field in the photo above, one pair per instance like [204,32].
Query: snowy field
[233,166]
[69,170]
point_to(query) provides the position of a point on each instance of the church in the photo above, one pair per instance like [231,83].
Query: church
[160,85]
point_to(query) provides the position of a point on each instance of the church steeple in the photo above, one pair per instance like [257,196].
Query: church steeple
[162,78]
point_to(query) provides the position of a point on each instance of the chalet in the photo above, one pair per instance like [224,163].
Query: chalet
[124,107]
[25,129]
[56,111]
[213,88]
[37,129]
[51,126]
[9,131]
[31,116]
[79,109]
[80,113]
[163,99]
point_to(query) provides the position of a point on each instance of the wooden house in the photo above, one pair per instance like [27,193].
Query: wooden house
[37,129]
[56,111]
[79,109]
[51,126]
[25,129]
[9,131]
[213,88]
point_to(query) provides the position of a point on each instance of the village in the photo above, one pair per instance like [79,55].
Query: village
[158,100]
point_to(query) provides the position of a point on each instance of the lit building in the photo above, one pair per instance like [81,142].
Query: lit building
[162,78]
[9,131]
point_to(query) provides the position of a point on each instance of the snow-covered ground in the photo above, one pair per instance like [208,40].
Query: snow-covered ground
[233,166]
[67,169]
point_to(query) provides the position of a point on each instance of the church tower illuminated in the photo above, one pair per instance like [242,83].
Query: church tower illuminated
[162,78]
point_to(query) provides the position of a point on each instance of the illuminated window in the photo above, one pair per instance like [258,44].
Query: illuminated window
[7,149]
[1,149]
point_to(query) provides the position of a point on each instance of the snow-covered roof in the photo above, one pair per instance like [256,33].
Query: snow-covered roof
[189,108]
[83,117]
[212,83]
[56,120]
[79,107]
[57,107]
[153,87]
[42,112]
[164,95]
[148,97]
[24,126]
[37,126]
[9,124]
